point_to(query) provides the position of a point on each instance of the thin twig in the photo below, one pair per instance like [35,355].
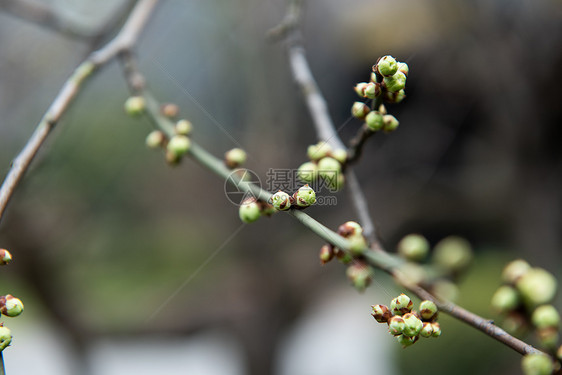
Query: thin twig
[356,144]
[124,40]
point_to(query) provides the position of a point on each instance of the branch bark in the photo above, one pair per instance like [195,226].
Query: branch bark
[124,40]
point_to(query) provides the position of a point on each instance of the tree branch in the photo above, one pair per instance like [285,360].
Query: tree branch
[124,40]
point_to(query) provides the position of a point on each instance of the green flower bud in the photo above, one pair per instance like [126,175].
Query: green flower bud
[537,364]
[374,121]
[235,158]
[340,155]
[169,110]
[381,313]
[394,97]
[514,270]
[548,337]
[326,253]
[328,164]
[135,105]
[318,151]
[406,341]
[403,67]
[445,290]
[10,305]
[413,247]
[372,90]
[396,325]
[545,316]
[155,139]
[382,109]
[374,77]
[5,337]
[357,244]
[401,305]
[172,158]
[412,272]
[515,323]
[537,286]
[436,329]
[308,172]
[428,310]
[281,201]
[336,181]
[249,211]
[427,330]
[178,145]
[343,257]
[183,127]
[390,123]
[505,299]
[386,66]
[359,110]
[5,257]
[360,89]
[395,83]
[360,275]
[305,196]
[412,325]
[350,229]
[453,254]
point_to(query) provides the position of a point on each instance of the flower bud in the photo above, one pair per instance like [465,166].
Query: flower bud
[155,139]
[359,110]
[436,329]
[413,247]
[372,90]
[412,325]
[350,229]
[360,89]
[336,181]
[135,105]
[382,109]
[427,330]
[343,256]
[374,77]
[390,123]
[281,201]
[545,316]
[515,323]
[5,257]
[395,83]
[413,273]
[548,337]
[514,270]
[183,127]
[505,299]
[235,158]
[308,172]
[318,151]
[445,290]
[428,310]
[394,97]
[172,158]
[396,325]
[10,305]
[178,145]
[537,364]
[360,275]
[401,305]
[5,337]
[537,286]
[249,211]
[169,110]
[374,121]
[381,313]
[406,341]
[403,67]
[326,253]
[305,196]
[328,164]
[340,155]
[453,254]
[357,244]
[386,66]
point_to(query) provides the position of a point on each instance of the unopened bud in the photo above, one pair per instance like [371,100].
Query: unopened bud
[235,158]
[413,247]
[357,244]
[308,172]
[372,90]
[249,211]
[183,127]
[5,257]
[546,316]
[386,66]
[359,110]
[537,286]
[427,330]
[340,155]
[396,325]
[381,313]
[178,145]
[403,67]
[401,305]
[326,253]
[169,110]
[281,201]
[436,329]
[394,97]
[505,299]
[514,270]
[406,341]
[395,83]
[453,254]
[537,364]
[374,121]
[5,337]
[548,337]
[412,325]
[390,123]
[135,105]
[318,151]
[428,310]
[360,275]
[155,139]
[10,305]
[360,89]
[445,290]
[328,165]
[305,196]
[349,229]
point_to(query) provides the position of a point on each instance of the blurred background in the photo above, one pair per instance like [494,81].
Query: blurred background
[127,265]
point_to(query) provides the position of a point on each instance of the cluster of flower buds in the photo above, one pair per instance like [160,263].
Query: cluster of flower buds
[525,299]
[388,80]
[252,209]
[10,306]
[408,325]
[325,163]
[353,232]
